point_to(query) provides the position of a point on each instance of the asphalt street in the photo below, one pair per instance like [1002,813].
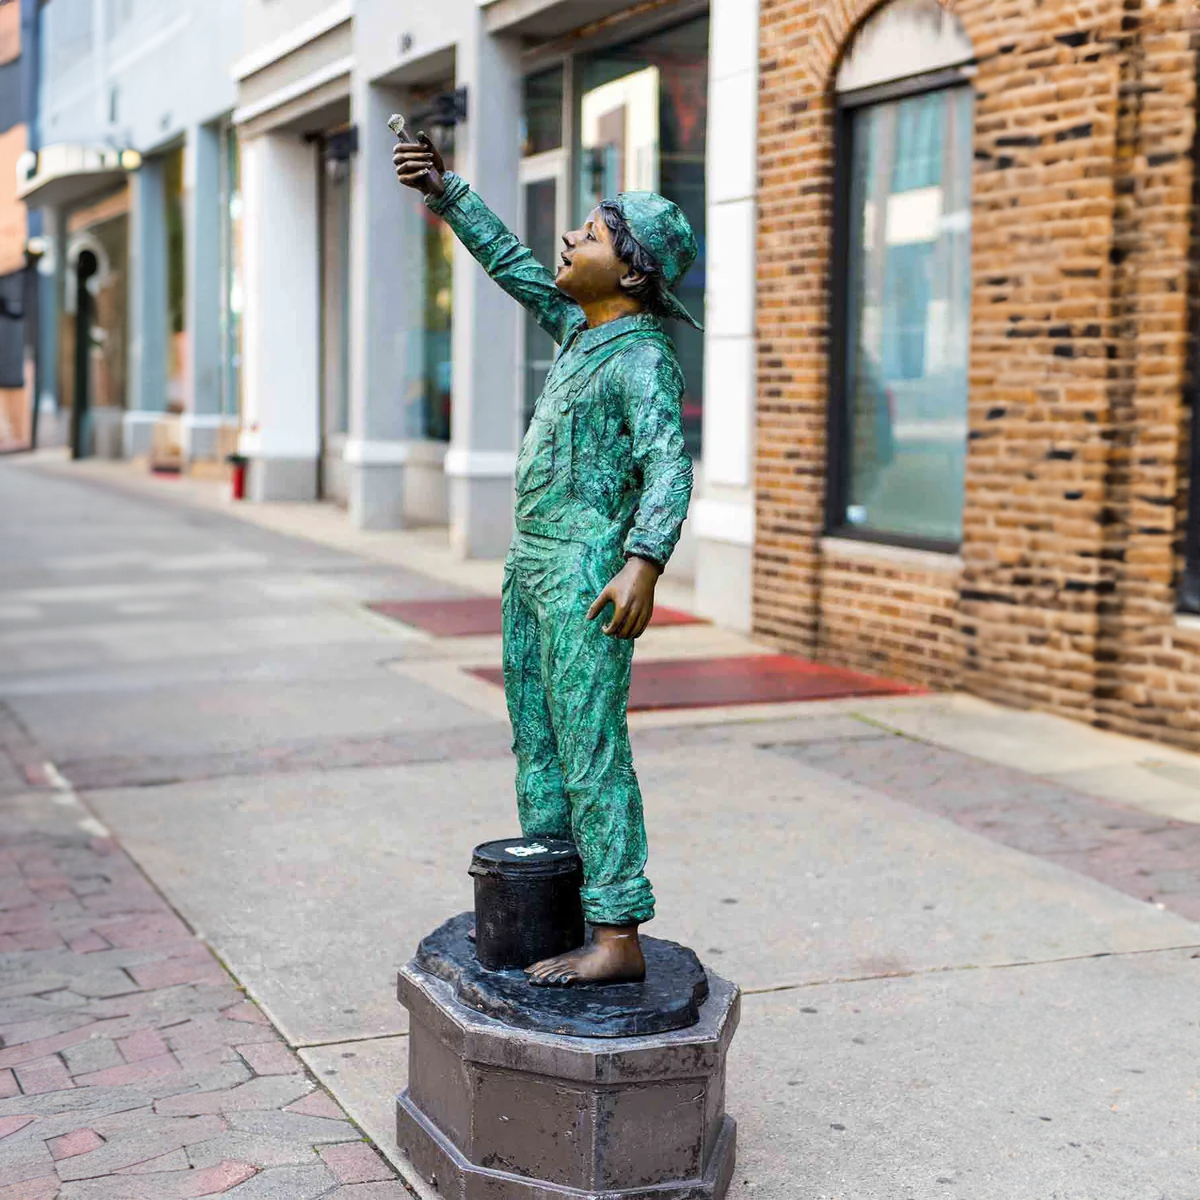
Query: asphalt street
[962,979]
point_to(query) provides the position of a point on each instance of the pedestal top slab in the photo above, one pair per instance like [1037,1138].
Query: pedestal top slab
[669,998]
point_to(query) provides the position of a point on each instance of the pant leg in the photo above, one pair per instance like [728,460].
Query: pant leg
[587,686]
[541,797]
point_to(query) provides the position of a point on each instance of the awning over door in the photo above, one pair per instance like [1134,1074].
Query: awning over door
[65,175]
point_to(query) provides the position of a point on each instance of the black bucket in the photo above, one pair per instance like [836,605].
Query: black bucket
[527,904]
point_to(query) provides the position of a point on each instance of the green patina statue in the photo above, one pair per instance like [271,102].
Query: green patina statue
[603,483]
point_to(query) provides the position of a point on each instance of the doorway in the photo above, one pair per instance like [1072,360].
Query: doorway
[86,266]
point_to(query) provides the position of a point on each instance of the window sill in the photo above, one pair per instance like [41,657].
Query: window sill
[898,556]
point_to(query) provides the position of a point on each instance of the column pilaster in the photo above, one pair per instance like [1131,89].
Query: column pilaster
[483,445]
[202,186]
[147,306]
[280,429]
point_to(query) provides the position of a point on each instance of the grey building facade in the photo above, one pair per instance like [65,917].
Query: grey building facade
[130,179]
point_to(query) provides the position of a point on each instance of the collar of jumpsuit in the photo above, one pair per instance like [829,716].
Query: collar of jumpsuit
[584,338]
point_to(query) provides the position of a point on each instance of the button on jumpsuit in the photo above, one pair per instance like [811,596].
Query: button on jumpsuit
[602,474]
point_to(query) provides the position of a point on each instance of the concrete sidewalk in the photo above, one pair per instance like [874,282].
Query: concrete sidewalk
[1128,771]
[968,937]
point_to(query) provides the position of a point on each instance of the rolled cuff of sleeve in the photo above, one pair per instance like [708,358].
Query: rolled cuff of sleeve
[657,548]
[456,189]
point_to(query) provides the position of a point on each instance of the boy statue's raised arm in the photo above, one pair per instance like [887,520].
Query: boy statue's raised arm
[496,248]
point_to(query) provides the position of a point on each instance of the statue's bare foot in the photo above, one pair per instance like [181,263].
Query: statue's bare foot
[614,955]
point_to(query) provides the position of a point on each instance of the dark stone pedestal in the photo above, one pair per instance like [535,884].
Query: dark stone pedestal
[668,998]
[494,1112]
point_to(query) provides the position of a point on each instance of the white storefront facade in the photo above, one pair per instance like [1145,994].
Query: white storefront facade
[382,369]
[365,356]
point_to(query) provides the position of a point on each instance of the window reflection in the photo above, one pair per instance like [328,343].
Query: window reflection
[540,217]
[232,291]
[908,315]
[643,120]
[435,374]
[177,331]
[542,112]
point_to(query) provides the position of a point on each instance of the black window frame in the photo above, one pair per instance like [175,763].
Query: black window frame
[1188,596]
[838,432]
[1187,584]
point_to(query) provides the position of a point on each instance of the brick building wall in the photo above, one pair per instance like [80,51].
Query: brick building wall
[1063,596]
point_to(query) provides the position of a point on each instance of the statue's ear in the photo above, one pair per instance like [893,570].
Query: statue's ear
[632,279]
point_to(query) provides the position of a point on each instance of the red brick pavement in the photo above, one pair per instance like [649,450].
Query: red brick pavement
[753,679]
[131,1065]
[1152,858]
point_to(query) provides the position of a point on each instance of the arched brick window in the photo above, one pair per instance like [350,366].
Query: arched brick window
[901,283]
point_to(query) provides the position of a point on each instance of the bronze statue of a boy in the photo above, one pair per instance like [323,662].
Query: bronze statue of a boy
[603,483]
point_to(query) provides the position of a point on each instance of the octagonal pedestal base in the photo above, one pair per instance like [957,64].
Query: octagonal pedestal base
[498,1113]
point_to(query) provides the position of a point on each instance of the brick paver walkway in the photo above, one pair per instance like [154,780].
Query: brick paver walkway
[131,1065]
[1152,858]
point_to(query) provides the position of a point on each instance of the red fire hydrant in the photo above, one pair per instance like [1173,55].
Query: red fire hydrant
[237,476]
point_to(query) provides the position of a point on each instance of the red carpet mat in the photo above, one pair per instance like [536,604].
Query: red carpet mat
[480,615]
[754,679]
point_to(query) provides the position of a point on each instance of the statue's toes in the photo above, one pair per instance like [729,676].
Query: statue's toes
[554,979]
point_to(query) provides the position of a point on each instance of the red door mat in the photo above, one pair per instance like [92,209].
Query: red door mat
[480,615]
[753,679]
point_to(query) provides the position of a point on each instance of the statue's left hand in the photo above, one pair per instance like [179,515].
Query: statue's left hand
[631,593]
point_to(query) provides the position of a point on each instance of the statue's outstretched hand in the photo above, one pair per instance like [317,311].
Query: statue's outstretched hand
[420,166]
[631,593]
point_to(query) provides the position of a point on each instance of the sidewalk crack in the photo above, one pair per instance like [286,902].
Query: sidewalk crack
[768,989]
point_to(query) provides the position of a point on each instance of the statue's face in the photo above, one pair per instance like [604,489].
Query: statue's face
[589,269]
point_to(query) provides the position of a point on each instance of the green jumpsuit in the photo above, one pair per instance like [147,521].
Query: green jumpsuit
[602,474]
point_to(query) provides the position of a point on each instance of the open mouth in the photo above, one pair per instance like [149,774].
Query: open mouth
[566,262]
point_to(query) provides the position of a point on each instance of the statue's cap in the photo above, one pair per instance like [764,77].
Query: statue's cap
[664,232]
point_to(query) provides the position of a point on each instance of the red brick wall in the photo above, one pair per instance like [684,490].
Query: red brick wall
[1082,216]
[890,612]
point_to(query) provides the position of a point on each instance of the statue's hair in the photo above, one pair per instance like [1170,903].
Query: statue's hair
[636,257]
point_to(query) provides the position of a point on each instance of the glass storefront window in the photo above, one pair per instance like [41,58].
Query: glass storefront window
[542,112]
[907,317]
[439,304]
[177,347]
[541,219]
[232,294]
[643,122]
[335,294]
